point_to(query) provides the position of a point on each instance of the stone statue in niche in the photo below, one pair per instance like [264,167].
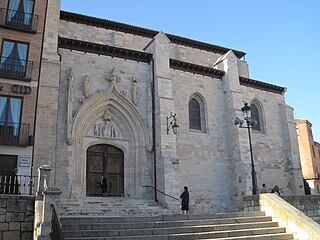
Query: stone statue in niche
[115,132]
[135,92]
[96,129]
[106,128]
[106,116]
[69,140]
[113,78]
[70,87]
[86,89]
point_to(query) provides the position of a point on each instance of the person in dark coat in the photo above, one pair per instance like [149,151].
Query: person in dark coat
[276,190]
[103,186]
[185,200]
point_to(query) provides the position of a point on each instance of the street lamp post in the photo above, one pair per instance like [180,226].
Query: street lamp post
[249,124]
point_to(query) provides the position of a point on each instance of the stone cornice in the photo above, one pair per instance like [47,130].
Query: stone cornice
[144,32]
[261,85]
[101,49]
[196,69]
[203,46]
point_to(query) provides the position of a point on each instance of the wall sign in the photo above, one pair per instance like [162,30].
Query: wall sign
[1,88]
[24,161]
[21,89]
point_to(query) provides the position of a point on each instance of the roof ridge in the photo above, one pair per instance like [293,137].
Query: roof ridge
[145,32]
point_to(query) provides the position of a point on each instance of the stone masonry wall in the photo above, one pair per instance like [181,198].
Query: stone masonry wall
[308,204]
[16,217]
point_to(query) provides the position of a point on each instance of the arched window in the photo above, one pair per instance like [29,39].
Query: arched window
[194,114]
[257,114]
[197,114]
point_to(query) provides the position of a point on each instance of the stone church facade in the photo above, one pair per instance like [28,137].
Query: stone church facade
[105,92]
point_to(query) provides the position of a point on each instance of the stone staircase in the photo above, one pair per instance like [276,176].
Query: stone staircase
[111,206]
[123,219]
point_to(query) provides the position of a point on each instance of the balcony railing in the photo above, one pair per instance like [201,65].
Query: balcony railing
[18,184]
[18,20]
[16,68]
[14,133]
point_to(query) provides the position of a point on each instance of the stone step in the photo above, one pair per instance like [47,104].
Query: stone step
[238,225]
[265,233]
[111,206]
[222,217]
[168,230]
[278,236]
[117,200]
[162,224]
[129,212]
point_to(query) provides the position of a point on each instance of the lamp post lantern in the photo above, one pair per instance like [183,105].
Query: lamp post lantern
[249,124]
[172,123]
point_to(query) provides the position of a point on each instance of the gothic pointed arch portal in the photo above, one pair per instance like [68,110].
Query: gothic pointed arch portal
[110,120]
[105,160]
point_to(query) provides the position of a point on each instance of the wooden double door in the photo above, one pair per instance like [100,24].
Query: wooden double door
[105,160]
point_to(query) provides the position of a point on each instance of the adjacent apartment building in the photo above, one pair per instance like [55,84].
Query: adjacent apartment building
[21,37]
[309,155]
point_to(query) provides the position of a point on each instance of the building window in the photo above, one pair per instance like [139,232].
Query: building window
[313,151]
[20,13]
[194,115]
[197,113]
[257,114]
[10,112]
[14,58]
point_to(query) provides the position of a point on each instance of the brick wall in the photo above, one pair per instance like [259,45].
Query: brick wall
[16,217]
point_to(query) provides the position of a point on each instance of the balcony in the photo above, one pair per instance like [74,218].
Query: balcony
[16,69]
[16,134]
[18,20]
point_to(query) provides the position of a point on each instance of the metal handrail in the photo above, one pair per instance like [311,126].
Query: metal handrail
[16,68]
[56,230]
[161,192]
[14,133]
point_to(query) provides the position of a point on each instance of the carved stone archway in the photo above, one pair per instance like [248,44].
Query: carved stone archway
[109,118]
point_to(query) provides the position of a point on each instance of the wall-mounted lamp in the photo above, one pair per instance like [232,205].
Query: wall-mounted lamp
[172,123]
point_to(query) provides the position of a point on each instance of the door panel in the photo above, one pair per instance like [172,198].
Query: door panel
[114,185]
[94,171]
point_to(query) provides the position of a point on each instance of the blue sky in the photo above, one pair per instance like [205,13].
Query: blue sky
[281,37]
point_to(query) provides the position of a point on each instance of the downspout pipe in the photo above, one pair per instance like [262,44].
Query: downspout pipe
[154,133]
[37,95]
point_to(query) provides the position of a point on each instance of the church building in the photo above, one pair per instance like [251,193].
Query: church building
[111,94]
